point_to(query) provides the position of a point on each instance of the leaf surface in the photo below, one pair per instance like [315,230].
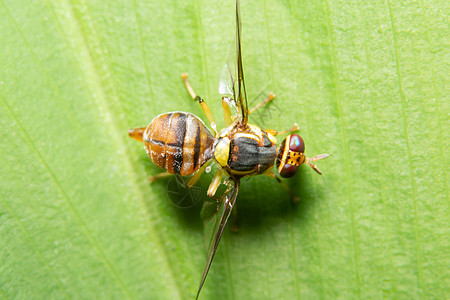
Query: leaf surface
[367,83]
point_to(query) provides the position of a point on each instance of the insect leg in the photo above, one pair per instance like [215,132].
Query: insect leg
[159,176]
[203,104]
[275,132]
[215,183]
[274,176]
[226,111]
[137,133]
[262,103]
[235,227]
[196,176]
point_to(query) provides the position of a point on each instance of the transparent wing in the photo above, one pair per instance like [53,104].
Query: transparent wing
[231,82]
[220,219]
[226,82]
[241,94]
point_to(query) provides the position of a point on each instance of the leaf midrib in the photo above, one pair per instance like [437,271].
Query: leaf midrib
[115,131]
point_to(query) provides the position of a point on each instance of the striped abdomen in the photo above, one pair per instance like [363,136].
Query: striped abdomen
[178,142]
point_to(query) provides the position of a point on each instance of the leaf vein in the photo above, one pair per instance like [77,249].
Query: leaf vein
[347,159]
[143,52]
[30,239]
[115,132]
[64,194]
[202,45]
[50,171]
[408,146]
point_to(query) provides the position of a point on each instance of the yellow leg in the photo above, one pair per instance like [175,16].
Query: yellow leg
[274,176]
[215,183]
[262,103]
[203,104]
[290,130]
[196,176]
[159,176]
[275,132]
[226,111]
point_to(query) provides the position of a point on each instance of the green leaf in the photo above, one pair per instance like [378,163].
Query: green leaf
[366,82]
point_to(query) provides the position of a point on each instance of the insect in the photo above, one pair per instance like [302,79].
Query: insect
[180,143]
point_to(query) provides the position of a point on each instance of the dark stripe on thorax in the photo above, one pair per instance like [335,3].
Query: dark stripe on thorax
[180,132]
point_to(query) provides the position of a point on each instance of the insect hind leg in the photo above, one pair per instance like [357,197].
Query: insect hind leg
[202,103]
[196,176]
[159,176]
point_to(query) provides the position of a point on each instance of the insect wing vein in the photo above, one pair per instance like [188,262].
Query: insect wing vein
[226,205]
[231,80]
[242,94]
[226,82]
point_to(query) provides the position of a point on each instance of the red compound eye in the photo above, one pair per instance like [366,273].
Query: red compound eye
[288,170]
[296,143]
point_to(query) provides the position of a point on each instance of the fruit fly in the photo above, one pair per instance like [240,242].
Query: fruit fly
[180,143]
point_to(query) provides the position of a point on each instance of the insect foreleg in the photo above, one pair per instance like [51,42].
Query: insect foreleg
[274,176]
[262,103]
[290,130]
[203,104]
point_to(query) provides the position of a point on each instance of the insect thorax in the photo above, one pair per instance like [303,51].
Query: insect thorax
[245,152]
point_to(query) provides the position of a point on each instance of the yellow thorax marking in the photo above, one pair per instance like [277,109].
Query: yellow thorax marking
[255,129]
[285,152]
[246,135]
[272,138]
[222,151]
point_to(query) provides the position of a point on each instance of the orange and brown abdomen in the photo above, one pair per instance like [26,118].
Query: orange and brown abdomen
[178,142]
